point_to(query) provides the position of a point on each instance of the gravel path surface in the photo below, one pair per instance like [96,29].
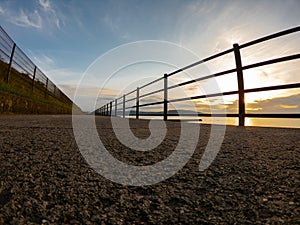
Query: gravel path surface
[45,180]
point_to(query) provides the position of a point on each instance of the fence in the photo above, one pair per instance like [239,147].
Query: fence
[107,109]
[18,70]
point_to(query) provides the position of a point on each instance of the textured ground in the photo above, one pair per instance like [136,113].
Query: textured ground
[45,179]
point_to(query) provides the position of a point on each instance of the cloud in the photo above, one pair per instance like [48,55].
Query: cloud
[287,104]
[110,22]
[51,14]
[46,5]
[43,61]
[85,95]
[28,19]
[45,16]
[1,11]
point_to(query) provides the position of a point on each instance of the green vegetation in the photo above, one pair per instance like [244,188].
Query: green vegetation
[13,90]
[21,84]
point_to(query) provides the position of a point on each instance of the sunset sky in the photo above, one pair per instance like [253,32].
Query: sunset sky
[65,39]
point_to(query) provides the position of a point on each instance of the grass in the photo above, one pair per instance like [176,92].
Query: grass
[21,85]
[16,91]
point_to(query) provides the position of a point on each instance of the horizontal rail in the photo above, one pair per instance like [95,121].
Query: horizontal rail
[131,99]
[274,115]
[203,96]
[269,37]
[151,93]
[203,78]
[152,82]
[201,61]
[272,61]
[152,103]
[4,53]
[129,93]
[273,88]
[232,115]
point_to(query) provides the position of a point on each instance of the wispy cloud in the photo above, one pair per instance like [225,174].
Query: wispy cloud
[43,16]
[1,10]
[46,5]
[43,61]
[26,19]
[51,14]
[111,22]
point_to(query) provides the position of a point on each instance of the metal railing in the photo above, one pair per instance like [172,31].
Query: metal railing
[107,108]
[12,57]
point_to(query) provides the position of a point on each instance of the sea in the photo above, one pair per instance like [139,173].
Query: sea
[256,122]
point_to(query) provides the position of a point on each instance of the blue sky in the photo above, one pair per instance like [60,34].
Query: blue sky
[65,37]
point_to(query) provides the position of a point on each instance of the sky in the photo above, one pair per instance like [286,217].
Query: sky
[71,39]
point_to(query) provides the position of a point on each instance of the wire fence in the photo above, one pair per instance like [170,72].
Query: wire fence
[111,108]
[18,70]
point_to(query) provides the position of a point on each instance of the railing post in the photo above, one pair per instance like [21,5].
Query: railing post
[10,62]
[107,109]
[165,97]
[240,79]
[137,112]
[123,106]
[33,78]
[116,107]
[110,108]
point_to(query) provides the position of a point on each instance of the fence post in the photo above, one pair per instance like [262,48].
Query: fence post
[123,106]
[137,112]
[240,79]
[33,78]
[107,109]
[110,108]
[165,97]
[116,107]
[10,62]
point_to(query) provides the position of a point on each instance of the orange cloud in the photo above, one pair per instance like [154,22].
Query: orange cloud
[289,106]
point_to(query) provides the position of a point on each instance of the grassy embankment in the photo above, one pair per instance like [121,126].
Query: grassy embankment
[21,85]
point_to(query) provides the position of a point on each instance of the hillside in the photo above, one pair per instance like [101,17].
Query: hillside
[23,95]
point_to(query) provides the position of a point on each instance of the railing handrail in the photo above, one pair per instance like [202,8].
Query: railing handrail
[239,70]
